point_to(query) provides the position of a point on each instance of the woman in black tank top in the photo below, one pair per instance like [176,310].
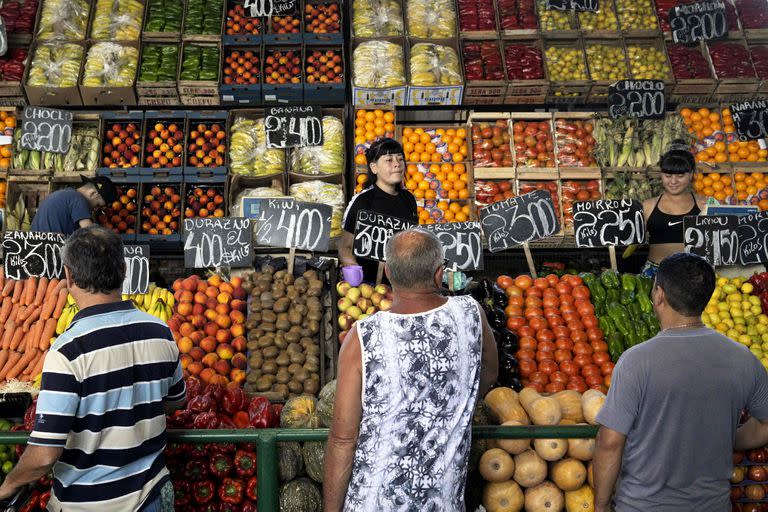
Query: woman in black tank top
[664,214]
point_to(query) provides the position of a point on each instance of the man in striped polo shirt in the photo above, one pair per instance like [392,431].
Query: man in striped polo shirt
[108,383]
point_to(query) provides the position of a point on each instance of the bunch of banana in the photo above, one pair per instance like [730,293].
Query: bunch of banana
[110,64]
[157,302]
[378,64]
[377,18]
[117,20]
[434,64]
[63,20]
[55,65]
[431,19]
[326,159]
[17,217]
[248,152]
[66,316]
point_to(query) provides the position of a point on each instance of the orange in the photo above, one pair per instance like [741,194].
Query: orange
[361,113]
[464,194]
[452,176]
[460,184]
[685,112]
[763,204]
[708,191]
[425,138]
[411,185]
[449,215]
[418,147]
[430,194]
[461,217]
[370,116]
[695,117]
[443,205]
[10,122]
[454,207]
[407,131]
[720,196]
[360,159]
[458,157]
[417,176]
[739,176]
[721,157]
[459,168]
[379,131]
[378,113]
[426,157]
[389,117]
[408,146]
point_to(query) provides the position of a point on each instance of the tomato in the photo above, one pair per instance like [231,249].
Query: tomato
[555,321]
[585,309]
[600,387]
[544,356]
[551,302]
[590,369]
[757,473]
[516,300]
[575,325]
[537,386]
[513,310]
[534,292]
[515,322]
[554,387]
[540,283]
[558,376]
[580,292]
[563,355]
[551,292]
[582,360]
[523,282]
[582,348]
[527,367]
[599,346]
[589,321]
[531,312]
[575,385]
[569,368]
[539,377]
[564,343]
[561,331]
[545,335]
[548,366]
[595,334]
[593,379]
[552,280]
[607,380]
[567,299]
[526,330]
[548,312]
[563,288]
[600,358]
[533,302]
[538,323]
[570,316]
[547,346]
[513,291]
[504,281]
[527,343]
[525,353]
[572,279]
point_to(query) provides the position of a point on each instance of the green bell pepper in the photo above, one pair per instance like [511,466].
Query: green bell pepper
[644,284]
[610,279]
[607,325]
[634,312]
[612,295]
[615,346]
[644,302]
[620,317]
[628,283]
[642,329]
[588,277]
[597,291]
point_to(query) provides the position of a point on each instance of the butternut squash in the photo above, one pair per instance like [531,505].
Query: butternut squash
[551,449]
[496,465]
[590,475]
[527,396]
[513,446]
[582,449]
[570,403]
[504,405]
[544,411]
[591,402]
[530,469]
[580,500]
[503,497]
[568,474]
[545,497]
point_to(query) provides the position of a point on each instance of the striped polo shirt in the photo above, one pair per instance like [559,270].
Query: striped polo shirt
[101,399]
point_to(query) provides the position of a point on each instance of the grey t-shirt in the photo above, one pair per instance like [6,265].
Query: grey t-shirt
[678,397]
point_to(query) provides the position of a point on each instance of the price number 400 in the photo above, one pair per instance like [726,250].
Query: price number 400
[259,8]
[309,129]
[701,26]
[303,229]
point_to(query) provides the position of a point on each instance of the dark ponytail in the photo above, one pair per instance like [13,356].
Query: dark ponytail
[678,159]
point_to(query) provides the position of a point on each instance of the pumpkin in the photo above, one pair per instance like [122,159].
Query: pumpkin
[512,446]
[582,449]
[591,402]
[544,411]
[325,403]
[299,412]
[530,469]
[551,449]
[527,396]
[580,500]
[301,495]
[503,497]
[590,475]
[496,465]
[568,474]
[314,452]
[504,406]
[290,461]
[545,497]
[570,404]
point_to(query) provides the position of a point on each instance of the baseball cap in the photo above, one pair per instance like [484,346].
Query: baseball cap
[104,186]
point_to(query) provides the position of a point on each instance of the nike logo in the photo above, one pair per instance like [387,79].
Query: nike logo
[670,224]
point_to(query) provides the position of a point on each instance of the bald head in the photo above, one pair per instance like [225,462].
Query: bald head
[413,256]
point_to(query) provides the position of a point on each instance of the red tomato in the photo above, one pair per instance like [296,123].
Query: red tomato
[538,323]
[530,312]
[572,279]
[551,312]
[582,360]
[580,292]
[582,348]
[550,292]
[547,346]
[607,368]
[551,302]
[599,346]
[585,309]
[525,354]
[504,282]
[563,288]
[589,321]
[533,301]
[593,379]
[552,280]
[533,292]
[567,299]
[548,366]
[527,343]
[579,386]
[563,355]
[515,322]
[540,283]
[579,336]
[527,367]
[561,331]
[539,377]
[564,343]
[558,376]
[526,330]
[554,387]
[575,325]
[543,356]
[590,369]
[569,368]
[595,334]
[570,316]
[536,386]
[555,321]
[600,358]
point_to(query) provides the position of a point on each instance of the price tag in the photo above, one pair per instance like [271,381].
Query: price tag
[46,129]
[700,21]
[752,232]
[288,223]
[712,237]
[462,244]
[33,254]
[258,8]
[136,269]
[603,223]
[642,99]
[216,242]
[297,126]
[518,220]
[749,118]
[373,231]
[574,5]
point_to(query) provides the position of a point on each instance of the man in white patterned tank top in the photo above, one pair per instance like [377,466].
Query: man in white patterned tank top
[407,386]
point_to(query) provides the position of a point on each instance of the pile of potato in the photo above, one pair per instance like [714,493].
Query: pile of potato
[284,315]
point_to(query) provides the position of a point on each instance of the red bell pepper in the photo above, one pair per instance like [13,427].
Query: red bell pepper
[203,491]
[182,419]
[216,392]
[234,400]
[251,489]
[220,465]
[181,496]
[29,416]
[240,419]
[223,448]
[261,414]
[231,491]
[248,506]
[206,421]
[225,421]
[245,463]
[196,451]
[194,387]
[201,403]
[209,507]
[277,409]
[195,471]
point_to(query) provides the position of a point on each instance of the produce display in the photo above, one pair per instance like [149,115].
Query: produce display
[606,62]
[636,185]
[517,14]
[159,63]
[110,65]
[748,487]
[552,20]
[120,216]
[370,125]
[713,130]
[753,15]
[523,62]
[19,16]
[327,159]
[431,19]
[715,185]
[63,20]
[534,146]
[434,144]
[55,65]
[575,143]
[322,18]
[476,15]
[648,62]
[325,193]
[290,24]
[434,65]
[359,302]
[488,192]
[636,15]
[3,191]
[604,19]
[12,65]
[164,16]
[688,62]
[282,66]
[117,20]
[200,63]
[17,216]
[565,63]
[122,145]
[239,23]
[284,315]
[164,145]
[378,64]
[482,61]
[161,210]
[436,181]
[248,153]
[242,67]
[203,17]
[633,143]
[377,18]
[731,60]
[574,191]
[207,145]
[82,157]
[751,189]
[491,144]
[324,67]
[441,212]
[759,54]
[8,128]
[204,201]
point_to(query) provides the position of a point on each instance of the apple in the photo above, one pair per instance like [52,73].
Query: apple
[757,473]
[737,475]
[381,288]
[385,304]
[376,298]
[738,456]
[736,493]
[343,304]
[371,310]
[354,312]
[364,303]
[342,287]
[758,455]
[345,322]
[353,294]
[755,492]
[366,290]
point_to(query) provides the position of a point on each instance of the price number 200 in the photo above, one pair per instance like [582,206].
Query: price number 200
[701,26]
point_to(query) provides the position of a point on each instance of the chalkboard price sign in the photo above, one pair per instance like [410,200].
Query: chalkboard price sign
[462,244]
[373,231]
[641,99]
[216,242]
[33,254]
[749,118]
[574,5]
[296,126]
[713,237]
[291,224]
[752,232]
[136,269]
[46,129]
[519,220]
[603,223]
[700,21]
[266,8]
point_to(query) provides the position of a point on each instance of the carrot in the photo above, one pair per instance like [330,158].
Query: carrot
[60,303]
[8,331]
[14,312]
[38,368]
[42,287]
[4,357]
[2,278]
[18,336]
[13,358]
[49,330]
[22,363]
[33,363]
[22,313]
[52,284]
[30,287]
[8,287]
[46,310]
[5,310]
[18,287]
[32,318]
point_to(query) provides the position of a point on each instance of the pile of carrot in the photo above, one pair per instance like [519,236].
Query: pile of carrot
[28,314]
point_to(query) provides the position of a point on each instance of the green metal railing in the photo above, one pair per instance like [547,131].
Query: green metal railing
[266,445]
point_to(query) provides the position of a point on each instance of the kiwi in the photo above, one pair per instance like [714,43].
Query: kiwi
[254,335]
[291,293]
[297,357]
[268,269]
[314,326]
[312,360]
[266,341]
[268,316]
[282,316]
[312,386]
[306,332]
[312,350]
[253,376]
[295,318]
[282,304]
[279,275]
[312,367]
[293,368]
[288,279]
[306,341]
[300,300]
[301,285]
[281,389]
[263,384]
[254,319]
[291,336]
[268,327]
[296,328]
[267,297]
[280,342]
[301,309]
[252,345]
[256,362]
[293,348]
[282,377]
[255,306]
[300,375]
[283,324]
[314,316]
[295,386]
[271,353]
[283,359]
[269,367]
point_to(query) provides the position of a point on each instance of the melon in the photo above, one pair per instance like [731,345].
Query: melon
[503,497]
[496,465]
[570,404]
[503,405]
[513,446]
[568,474]
[325,402]
[591,402]
[580,500]
[544,411]
[582,449]
[290,461]
[545,497]
[530,469]
[299,412]
[314,453]
[301,495]
[551,449]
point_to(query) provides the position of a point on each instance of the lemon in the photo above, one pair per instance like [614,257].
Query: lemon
[721,327]
[729,289]
[710,309]
[761,329]
[764,337]
[733,334]
[723,306]
[740,328]
[765,362]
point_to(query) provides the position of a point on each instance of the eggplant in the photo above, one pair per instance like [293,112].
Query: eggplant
[496,318]
[508,340]
[499,297]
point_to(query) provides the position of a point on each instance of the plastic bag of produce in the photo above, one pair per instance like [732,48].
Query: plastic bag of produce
[117,20]
[431,19]
[63,19]
[377,18]
[110,64]
[378,64]
[55,65]
[490,144]
[434,65]
[325,159]
[325,193]
[575,143]
[248,153]
[488,192]
[636,185]
[261,192]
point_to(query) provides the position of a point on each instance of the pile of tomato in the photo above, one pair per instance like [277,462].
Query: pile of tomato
[561,344]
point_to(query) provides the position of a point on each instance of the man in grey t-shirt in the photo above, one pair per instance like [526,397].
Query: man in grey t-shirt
[671,416]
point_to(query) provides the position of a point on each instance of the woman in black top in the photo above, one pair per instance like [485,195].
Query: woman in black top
[664,214]
[384,194]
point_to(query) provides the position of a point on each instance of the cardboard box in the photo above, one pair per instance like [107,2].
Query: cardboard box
[395,96]
[436,94]
[48,96]
[109,95]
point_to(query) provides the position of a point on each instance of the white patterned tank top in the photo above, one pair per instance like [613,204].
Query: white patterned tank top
[421,374]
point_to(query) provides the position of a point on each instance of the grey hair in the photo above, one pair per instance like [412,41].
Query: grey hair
[412,257]
[94,257]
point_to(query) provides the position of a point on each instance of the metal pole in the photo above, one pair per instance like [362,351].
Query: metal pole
[266,471]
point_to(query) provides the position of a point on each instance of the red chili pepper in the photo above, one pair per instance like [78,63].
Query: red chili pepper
[251,490]
[220,465]
[44,499]
[245,463]
[261,414]
[234,400]
[204,491]
[231,491]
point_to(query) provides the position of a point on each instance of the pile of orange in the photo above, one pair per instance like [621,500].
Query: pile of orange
[3,190]
[435,145]
[369,126]
[442,212]
[437,181]
[703,123]
[752,187]
[739,151]
[714,185]
[7,126]
[360,180]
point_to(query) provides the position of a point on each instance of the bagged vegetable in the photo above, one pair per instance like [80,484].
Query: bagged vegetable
[377,18]
[434,65]
[325,193]
[158,63]
[431,19]
[110,64]
[117,20]
[63,20]
[55,65]
[200,63]
[575,143]
[248,153]
[378,64]
[326,159]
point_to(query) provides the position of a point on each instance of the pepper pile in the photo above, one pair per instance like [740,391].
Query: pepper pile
[623,307]
[12,65]
[200,63]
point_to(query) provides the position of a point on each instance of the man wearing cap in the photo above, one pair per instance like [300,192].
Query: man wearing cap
[68,209]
